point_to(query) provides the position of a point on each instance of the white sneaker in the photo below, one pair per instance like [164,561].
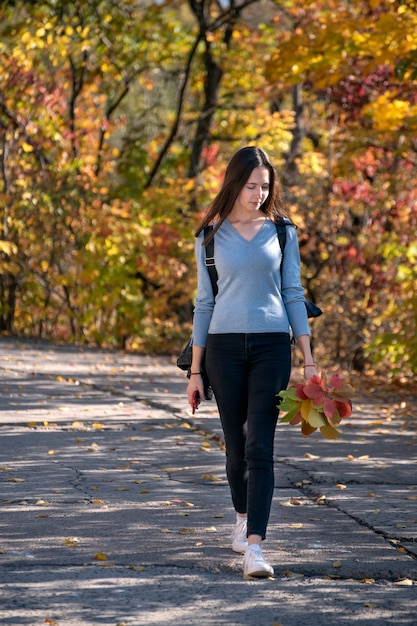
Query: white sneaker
[239,538]
[254,564]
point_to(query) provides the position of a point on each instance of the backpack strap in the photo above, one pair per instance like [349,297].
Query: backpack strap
[282,234]
[210,262]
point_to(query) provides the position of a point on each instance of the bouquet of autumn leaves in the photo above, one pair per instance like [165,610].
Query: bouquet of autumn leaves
[317,404]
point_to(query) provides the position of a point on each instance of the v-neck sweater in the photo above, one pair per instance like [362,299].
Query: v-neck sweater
[251,297]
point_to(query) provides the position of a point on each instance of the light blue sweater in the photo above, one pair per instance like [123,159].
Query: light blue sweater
[251,298]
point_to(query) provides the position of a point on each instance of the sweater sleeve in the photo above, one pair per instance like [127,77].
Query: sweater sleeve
[291,288]
[204,302]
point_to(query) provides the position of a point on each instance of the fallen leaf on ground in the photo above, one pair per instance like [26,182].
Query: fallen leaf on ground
[71,541]
[137,568]
[211,477]
[289,574]
[405,581]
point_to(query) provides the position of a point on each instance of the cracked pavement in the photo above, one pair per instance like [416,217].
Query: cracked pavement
[114,505]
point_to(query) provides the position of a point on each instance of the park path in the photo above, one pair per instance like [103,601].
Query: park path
[114,506]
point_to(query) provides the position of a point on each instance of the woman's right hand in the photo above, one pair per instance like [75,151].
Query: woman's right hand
[195,384]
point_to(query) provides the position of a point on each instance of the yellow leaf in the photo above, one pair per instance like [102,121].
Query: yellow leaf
[15,480]
[340,486]
[98,425]
[310,456]
[27,147]
[211,477]
[296,525]
[137,568]
[8,247]
[289,574]
[71,542]
[31,424]
[42,503]
[100,556]
[305,409]
[51,451]
[406,582]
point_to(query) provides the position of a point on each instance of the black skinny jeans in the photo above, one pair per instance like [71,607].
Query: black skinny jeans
[246,372]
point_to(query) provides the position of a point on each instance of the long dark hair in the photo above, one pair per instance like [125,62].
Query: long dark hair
[238,171]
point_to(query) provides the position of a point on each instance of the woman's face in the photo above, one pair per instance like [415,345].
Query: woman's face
[254,192]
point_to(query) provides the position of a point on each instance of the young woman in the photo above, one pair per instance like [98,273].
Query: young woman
[244,334]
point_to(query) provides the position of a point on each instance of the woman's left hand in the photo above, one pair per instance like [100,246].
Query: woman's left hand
[310,371]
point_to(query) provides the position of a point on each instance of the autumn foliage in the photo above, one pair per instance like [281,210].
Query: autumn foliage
[116,123]
[317,404]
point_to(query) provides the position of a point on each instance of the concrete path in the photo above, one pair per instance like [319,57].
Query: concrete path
[114,506]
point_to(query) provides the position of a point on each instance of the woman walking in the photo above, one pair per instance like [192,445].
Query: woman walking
[244,334]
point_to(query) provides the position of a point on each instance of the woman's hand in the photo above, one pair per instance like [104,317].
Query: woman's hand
[195,384]
[310,371]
